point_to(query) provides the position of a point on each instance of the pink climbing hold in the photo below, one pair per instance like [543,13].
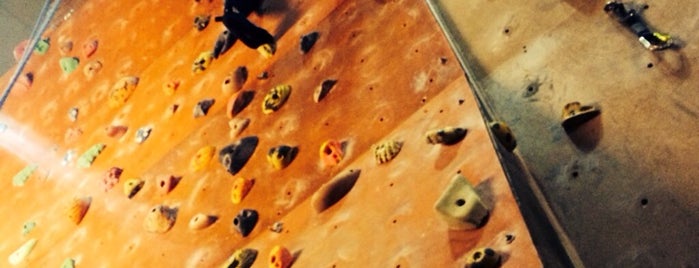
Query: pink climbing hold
[19,49]
[112,178]
[90,47]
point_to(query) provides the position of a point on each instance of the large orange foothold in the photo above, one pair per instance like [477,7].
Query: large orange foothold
[241,188]
[280,257]
[387,150]
[170,87]
[276,97]
[160,219]
[167,183]
[238,102]
[237,126]
[202,62]
[235,81]
[201,221]
[202,158]
[242,258]
[132,187]
[281,156]
[331,152]
[92,68]
[122,90]
[78,208]
[89,48]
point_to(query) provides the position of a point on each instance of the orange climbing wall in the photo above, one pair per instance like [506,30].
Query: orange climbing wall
[397,79]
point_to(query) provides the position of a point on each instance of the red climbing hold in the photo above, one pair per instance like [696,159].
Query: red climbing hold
[89,48]
[112,178]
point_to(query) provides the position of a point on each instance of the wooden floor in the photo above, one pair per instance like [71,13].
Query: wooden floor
[397,78]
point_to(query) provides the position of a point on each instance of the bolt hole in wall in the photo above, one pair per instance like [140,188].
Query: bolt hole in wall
[650,65]
[644,202]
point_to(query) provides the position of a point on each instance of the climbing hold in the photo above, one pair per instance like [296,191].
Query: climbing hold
[238,102]
[122,90]
[65,47]
[21,253]
[241,188]
[116,131]
[68,263]
[19,49]
[331,152]
[160,219]
[223,43]
[334,190]
[68,157]
[167,183]
[89,48]
[170,87]
[245,221]
[483,258]
[275,98]
[42,46]
[267,50]
[202,107]
[73,114]
[92,68]
[78,208]
[202,158]
[85,160]
[280,257]
[308,40]
[201,221]
[281,156]
[263,75]
[234,156]
[23,175]
[69,64]
[142,134]
[323,90]
[28,227]
[277,227]
[242,258]
[237,126]
[132,187]
[446,136]
[386,150]
[202,62]
[460,206]
[632,20]
[201,21]
[112,178]
[503,134]
[240,75]
[25,81]
[574,115]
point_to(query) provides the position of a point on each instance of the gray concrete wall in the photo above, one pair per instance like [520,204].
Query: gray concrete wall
[17,18]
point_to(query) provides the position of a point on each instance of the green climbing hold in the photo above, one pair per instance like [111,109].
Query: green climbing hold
[68,263]
[28,227]
[21,253]
[69,64]
[21,177]
[86,159]
[42,46]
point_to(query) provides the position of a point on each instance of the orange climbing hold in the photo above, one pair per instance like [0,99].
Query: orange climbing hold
[331,152]
[167,183]
[160,219]
[241,188]
[122,90]
[202,158]
[201,221]
[78,208]
[280,257]
[89,48]
[238,102]
[92,68]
